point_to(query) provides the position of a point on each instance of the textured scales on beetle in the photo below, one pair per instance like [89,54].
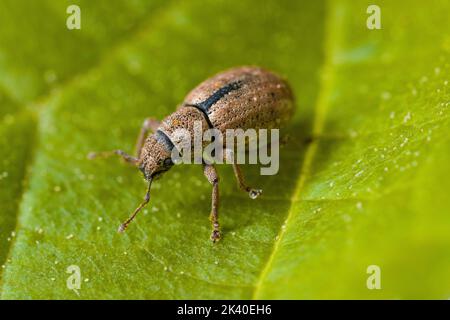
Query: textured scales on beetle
[239,98]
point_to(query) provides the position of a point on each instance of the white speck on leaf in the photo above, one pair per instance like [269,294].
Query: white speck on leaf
[407,117]
[386,95]
[359,205]
[404,142]
[359,173]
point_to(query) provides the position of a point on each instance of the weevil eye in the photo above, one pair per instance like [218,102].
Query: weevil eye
[168,162]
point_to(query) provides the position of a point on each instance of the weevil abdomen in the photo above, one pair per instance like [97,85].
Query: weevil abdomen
[244,98]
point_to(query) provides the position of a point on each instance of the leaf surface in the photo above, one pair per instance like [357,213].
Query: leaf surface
[370,189]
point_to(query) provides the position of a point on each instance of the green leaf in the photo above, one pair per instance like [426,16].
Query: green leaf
[370,189]
[373,188]
[38,55]
[16,134]
[38,52]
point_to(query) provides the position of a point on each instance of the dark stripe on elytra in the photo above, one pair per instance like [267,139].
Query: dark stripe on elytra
[162,138]
[219,94]
[214,98]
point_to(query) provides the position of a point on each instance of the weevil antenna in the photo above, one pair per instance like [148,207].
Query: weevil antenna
[124,225]
[107,154]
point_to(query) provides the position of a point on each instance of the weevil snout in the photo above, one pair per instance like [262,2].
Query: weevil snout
[155,158]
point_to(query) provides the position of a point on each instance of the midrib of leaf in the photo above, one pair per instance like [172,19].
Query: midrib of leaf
[331,40]
[37,105]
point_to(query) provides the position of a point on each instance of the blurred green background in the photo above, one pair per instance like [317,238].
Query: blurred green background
[371,189]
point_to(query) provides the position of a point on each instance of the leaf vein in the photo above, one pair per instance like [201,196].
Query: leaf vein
[318,125]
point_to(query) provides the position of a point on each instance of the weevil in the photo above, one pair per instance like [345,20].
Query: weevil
[238,98]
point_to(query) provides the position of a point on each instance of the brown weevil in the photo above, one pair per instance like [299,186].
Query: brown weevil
[239,98]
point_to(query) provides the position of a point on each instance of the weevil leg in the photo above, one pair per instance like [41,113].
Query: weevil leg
[107,154]
[252,192]
[124,225]
[211,174]
[150,124]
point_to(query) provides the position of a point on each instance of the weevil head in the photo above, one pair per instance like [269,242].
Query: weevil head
[155,157]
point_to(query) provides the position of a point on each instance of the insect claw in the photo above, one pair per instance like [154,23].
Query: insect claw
[215,236]
[122,228]
[254,193]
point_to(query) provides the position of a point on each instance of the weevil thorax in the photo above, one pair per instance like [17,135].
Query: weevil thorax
[174,133]
[183,126]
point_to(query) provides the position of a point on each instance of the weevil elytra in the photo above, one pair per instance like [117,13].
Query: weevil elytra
[239,98]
